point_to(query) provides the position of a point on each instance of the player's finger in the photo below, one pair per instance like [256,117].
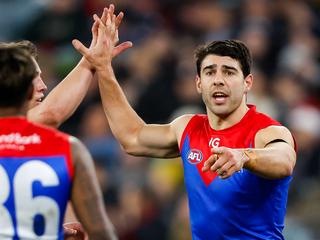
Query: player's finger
[115,37]
[209,162]
[225,168]
[217,150]
[111,9]
[69,232]
[104,15]
[228,173]
[113,20]
[101,29]
[97,19]
[108,20]
[121,48]
[218,163]
[112,26]
[119,19]
[80,47]
[94,31]
[74,230]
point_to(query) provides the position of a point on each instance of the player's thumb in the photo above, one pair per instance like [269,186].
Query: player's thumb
[79,47]
[121,48]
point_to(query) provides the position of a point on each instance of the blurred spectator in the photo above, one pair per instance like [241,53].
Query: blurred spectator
[303,204]
[260,95]
[58,24]
[304,121]
[14,18]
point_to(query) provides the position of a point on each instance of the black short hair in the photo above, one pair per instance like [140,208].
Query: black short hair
[231,48]
[17,71]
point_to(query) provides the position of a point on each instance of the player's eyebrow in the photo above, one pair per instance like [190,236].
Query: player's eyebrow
[211,66]
[227,67]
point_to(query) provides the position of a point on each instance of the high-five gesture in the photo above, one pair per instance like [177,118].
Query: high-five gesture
[104,39]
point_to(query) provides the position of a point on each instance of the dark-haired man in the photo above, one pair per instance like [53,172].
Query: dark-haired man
[41,168]
[237,162]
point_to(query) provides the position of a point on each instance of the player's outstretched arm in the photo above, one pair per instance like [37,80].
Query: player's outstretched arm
[86,196]
[135,136]
[64,99]
[273,157]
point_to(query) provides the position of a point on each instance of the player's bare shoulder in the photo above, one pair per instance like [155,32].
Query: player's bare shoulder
[180,123]
[273,133]
[78,150]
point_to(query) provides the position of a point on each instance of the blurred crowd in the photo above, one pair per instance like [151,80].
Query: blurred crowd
[145,198]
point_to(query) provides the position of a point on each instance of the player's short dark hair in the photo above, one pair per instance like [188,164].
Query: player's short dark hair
[24,44]
[17,71]
[231,48]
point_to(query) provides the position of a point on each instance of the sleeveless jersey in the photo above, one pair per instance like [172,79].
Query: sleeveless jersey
[244,206]
[35,180]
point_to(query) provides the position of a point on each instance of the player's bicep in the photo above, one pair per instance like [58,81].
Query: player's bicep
[278,140]
[157,140]
[273,135]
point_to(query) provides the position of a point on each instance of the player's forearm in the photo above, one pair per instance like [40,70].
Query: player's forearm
[63,100]
[92,213]
[272,162]
[123,120]
[103,230]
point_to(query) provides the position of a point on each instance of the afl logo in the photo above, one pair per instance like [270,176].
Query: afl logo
[194,156]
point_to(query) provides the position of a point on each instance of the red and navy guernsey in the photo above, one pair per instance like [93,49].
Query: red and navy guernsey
[244,206]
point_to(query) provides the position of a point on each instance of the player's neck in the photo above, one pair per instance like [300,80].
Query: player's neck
[223,122]
[12,112]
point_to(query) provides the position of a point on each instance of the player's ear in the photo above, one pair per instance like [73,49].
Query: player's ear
[198,83]
[248,81]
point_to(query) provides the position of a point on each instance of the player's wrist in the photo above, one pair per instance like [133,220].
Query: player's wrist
[105,72]
[250,157]
[84,63]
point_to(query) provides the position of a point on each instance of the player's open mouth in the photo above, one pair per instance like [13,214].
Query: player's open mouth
[219,97]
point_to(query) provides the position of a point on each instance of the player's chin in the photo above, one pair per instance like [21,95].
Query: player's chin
[221,110]
[33,103]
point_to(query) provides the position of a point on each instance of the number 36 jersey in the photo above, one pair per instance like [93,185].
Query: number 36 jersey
[35,180]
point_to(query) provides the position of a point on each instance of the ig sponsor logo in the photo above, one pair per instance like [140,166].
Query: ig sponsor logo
[194,156]
[214,142]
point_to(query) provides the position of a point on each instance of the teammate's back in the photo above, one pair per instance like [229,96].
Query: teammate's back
[41,168]
[36,175]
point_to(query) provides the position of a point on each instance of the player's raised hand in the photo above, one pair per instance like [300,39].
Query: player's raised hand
[225,161]
[110,21]
[118,19]
[100,53]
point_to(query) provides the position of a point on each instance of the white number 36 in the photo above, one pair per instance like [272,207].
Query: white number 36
[26,205]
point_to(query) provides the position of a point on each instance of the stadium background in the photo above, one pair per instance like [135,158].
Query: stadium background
[145,198]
